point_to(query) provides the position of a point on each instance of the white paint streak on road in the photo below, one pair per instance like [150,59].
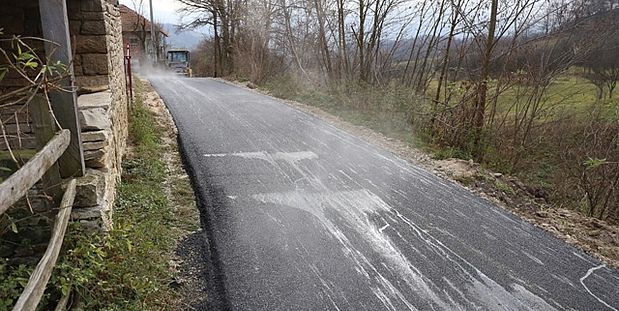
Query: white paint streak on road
[581,257]
[535,259]
[263,155]
[295,156]
[355,207]
[582,281]
[216,155]
[530,300]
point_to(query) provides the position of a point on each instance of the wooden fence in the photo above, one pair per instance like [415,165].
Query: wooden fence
[60,154]
[16,187]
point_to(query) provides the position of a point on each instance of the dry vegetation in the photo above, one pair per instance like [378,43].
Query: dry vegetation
[525,88]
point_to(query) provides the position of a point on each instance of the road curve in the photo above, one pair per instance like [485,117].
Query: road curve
[303,216]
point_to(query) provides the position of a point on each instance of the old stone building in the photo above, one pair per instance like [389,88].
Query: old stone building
[95,33]
[137,34]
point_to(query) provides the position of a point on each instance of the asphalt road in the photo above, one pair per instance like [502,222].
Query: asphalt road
[303,216]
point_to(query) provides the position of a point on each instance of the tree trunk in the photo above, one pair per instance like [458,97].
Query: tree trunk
[361,42]
[454,23]
[216,47]
[414,44]
[344,65]
[482,89]
[323,38]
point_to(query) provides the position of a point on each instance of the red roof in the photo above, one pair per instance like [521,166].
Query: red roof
[132,21]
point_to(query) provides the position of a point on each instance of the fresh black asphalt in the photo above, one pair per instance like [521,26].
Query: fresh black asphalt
[303,216]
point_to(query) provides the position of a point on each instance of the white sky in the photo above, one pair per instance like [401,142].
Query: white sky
[163,10]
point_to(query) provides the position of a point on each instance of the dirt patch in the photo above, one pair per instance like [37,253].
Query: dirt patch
[595,237]
[190,269]
[458,169]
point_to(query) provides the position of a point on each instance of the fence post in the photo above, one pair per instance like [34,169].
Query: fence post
[128,72]
[31,296]
[55,25]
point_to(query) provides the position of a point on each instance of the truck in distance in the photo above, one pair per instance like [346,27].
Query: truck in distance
[177,60]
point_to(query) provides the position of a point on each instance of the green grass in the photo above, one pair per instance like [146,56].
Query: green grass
[501,186]
[566,94]
[130,268]
[387,110]
[568,97]
[13,279]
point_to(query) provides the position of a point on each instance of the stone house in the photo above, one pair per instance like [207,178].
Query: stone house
[94,31]
[137,33]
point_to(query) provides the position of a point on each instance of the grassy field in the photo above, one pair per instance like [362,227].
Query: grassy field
[568,93]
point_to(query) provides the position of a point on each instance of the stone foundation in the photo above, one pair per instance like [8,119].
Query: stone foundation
[104,132]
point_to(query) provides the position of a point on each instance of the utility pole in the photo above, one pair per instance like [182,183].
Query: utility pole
[152,33]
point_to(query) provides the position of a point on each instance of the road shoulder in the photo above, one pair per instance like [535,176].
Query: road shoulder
[190,268]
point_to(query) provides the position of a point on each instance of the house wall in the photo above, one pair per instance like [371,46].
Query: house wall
[137,50]
[103,114]
[95,30]
[96,35]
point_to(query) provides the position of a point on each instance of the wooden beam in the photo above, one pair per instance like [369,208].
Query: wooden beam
[62,303]
[31,296]
[44,129]
[17,185]
[55,24]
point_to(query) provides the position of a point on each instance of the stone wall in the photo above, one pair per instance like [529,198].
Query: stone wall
[103,115]
[96,35]
[89,39]
[94,27]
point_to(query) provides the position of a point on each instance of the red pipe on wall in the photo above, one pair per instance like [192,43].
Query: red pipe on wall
[129,78]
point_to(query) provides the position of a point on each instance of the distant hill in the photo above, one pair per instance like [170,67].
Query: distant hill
[188,39]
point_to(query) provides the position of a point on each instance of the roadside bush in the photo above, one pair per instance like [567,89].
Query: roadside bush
[13,279]
[588,159]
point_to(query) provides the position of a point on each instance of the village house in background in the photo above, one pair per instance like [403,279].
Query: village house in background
[136,33]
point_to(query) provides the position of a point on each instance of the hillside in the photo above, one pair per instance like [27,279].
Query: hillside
[183,39]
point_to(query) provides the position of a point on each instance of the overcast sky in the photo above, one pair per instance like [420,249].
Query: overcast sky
[163,10]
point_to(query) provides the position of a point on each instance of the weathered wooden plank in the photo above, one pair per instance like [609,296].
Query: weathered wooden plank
[16,186]
[9,117]
[25,154]
[12,128]
[55,27]
[27,142]
[44,128]
[62,303]
[31,296]
[8,110]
